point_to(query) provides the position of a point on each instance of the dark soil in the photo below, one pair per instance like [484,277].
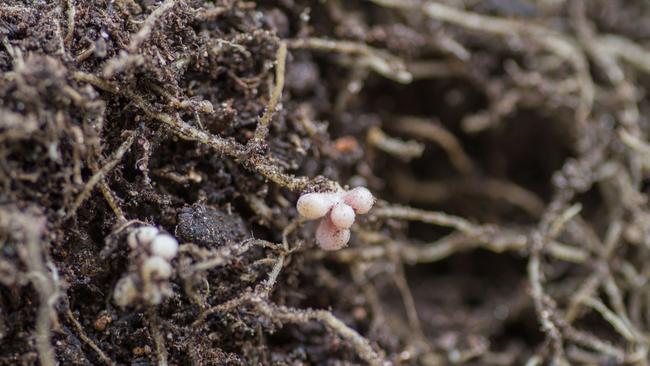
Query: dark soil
[506,142]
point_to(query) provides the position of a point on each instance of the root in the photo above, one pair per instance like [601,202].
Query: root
[289,315]
[223,308]
[100,175]
[617,323]
[437,134]
[149,24]
[557,43]
[71,10]
[107,193]
[379,61]
[545,308]
[490,238]
[262,129]
[405,150]
[407,299]
[238,152]
[435,192]
[161,350]
[275,273]
[29,230]
[222,256]
[427,217]
[627,50]
[84,337]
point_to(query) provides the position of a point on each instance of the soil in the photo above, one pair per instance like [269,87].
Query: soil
[506,142]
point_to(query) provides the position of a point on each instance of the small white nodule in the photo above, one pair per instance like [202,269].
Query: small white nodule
[330,237]
[360,199]
[164,245]
[314,205]
[337,211]
[125,292]
[142,236]
[156,268]
[342,215]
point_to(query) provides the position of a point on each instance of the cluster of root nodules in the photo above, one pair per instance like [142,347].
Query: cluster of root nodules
[152,154]
[337,212]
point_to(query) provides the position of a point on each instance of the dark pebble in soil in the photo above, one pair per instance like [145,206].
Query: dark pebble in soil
[210,227]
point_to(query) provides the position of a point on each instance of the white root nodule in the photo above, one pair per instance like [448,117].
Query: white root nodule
[360,199]
[330,237]
[337,211]
[165,245]
[342,215]
[314,205]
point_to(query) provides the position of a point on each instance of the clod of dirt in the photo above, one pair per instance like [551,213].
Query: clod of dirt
[210,227]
